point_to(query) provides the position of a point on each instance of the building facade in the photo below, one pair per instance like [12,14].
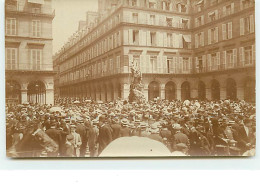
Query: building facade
[202,49]
[28,51]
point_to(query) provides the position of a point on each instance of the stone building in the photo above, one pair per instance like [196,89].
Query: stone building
[28,51]
[203,49]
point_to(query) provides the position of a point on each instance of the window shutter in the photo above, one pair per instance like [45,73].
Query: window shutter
[156,19]
[131,60]
[39,28]
[209,36]
[224,31]
[197,64]
[204,62]
[159,64]
[180,64]
[216,34]
[126,39]
[242,27]
[209,62]
[180,41]
[191,65]
[216,14]
[160,39]
[218,59]
[224,59]
[175,43]
[142,63]
[196,41]
[234,58]
[131,37]
[224,11]
[148,38]
[196,22]
[253,54]
[232,8]
[252,24]
[144,38]
[202,19]
[242,55]
[230,30]
[164,62]
[165,39]
[202,39]
[148,62]
[148,19]
[140,37]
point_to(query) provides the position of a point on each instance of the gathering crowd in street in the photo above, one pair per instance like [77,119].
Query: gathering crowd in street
[78,127]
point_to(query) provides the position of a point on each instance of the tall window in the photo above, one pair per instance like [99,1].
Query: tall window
[153,64]
[152,19]
[248,55]
[169,40]
[229,58]
[186,64]
[153,38]
[135,36]
[213,35]
[152,5]
[118,63]
[165,5]
[11,61]
[135,18]
[169,22]
[247,25]
[11,26]
[36,28]
[36,59]
[227,31]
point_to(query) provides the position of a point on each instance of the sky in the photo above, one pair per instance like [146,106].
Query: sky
[67,15]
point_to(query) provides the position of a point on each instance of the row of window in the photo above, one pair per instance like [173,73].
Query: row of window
[200,5]
[35,60]
[246,27]
[226,60]
[101,47]
[11,27]
[161,5]
[160,39]
[156,19]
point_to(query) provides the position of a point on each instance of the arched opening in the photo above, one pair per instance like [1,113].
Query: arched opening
[231,89]
[215,90]
[36,92]
[170,91]
[201,91]
[249,90]
[185,91]
[153,90]
[12,92]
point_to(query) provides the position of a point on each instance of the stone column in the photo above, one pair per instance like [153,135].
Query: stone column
[162,91]
[125,91]
[24,96]
[208,93]
[178,91]
[223,92]
[50,96]
[240,93]
[194,90]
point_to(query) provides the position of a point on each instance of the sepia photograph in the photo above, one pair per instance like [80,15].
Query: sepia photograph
[130,78]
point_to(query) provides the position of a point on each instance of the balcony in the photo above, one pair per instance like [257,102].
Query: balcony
[28,10]
[29,67]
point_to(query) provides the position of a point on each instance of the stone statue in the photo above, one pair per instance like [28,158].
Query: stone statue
[136,94]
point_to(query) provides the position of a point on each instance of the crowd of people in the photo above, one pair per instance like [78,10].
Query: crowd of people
[76,127]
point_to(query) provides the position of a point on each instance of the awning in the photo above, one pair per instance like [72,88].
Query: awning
[36,1]
[199,2]
[187,38]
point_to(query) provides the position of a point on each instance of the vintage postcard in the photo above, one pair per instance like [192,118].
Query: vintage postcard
[130,78]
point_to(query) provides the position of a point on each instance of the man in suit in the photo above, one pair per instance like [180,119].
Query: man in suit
[83,132]
[105,135]
[124,131]
[54,134]
[179,137]
[77,142]
[115,128]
